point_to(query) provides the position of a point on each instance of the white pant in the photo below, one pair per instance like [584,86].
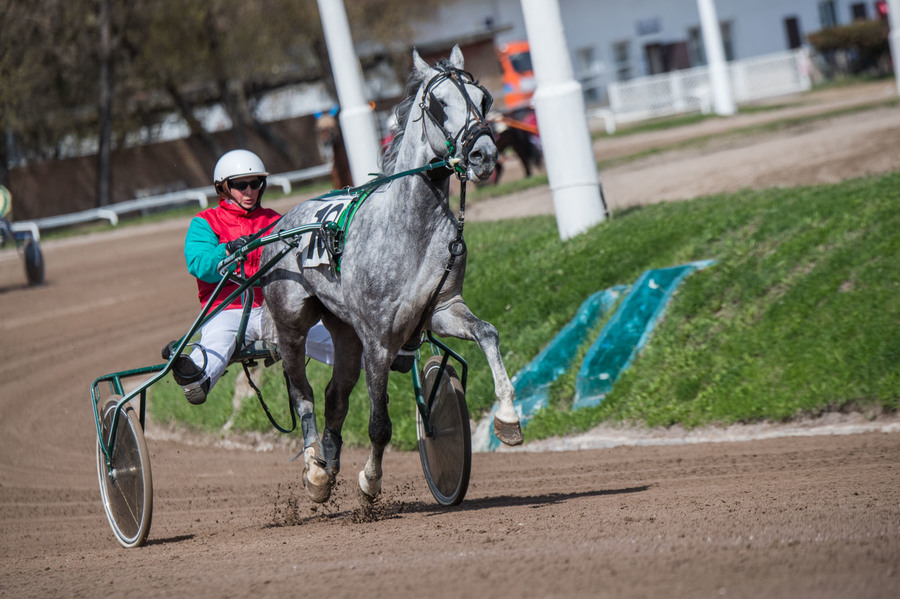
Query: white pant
[219,338]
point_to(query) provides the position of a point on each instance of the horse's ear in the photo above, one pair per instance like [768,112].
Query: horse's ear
[421,66]
[456,58]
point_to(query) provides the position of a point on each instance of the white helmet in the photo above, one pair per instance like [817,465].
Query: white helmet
[238,163]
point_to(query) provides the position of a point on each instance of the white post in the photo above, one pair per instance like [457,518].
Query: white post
[559,104]
[356,116]
[894,20]
[723,102]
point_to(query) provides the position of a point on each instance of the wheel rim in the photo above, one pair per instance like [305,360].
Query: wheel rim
[446,454]
[126,486]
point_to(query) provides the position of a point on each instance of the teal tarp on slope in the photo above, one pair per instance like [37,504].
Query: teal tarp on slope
[533,382]
[626,333]
[619,342]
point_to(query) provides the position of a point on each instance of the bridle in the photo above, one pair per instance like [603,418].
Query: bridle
[464,140]
[460,145]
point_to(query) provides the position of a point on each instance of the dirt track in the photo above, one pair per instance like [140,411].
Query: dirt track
[804,516]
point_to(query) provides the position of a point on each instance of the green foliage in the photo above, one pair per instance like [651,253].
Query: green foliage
[799,315]
[861,47]
[867,36]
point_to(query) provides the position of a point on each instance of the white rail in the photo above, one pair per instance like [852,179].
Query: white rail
[689,90]
[200,195]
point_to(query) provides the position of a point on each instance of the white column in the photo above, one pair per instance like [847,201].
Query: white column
[723,102]
[566,140]
[894,20]
[356,116]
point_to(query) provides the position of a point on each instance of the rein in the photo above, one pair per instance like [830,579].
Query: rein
[334,233]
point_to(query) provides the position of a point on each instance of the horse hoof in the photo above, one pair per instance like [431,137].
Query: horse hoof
[510,433]
[365,500]
[318,483]
[366,491]
[316,493]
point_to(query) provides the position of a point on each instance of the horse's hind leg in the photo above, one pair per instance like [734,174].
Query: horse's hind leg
[456,320]
[345,374]
[380,429]
[316,479]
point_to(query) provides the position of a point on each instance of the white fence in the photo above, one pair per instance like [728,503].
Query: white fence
[200,195]
[690,90]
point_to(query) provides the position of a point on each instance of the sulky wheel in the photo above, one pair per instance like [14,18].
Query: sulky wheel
[34,262]
[447,453]
[126,485]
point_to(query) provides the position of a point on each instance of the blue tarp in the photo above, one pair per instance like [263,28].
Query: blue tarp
[626,333]
[619,342]
[533,381]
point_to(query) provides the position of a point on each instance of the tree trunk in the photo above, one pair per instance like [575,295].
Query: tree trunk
[104,154]
[187,112]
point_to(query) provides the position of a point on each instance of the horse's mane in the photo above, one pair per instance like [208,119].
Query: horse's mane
[401,112]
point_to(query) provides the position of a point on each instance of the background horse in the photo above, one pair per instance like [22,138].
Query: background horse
[522,143]
[328,130]
[388,288]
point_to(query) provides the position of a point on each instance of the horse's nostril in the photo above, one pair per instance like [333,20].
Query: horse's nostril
[476,157]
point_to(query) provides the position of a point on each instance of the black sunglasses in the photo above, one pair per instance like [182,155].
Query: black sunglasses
[242,185]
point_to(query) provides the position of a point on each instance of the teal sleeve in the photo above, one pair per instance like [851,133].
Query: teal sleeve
[202,251]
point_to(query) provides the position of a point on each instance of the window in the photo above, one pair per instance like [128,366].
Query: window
[858,12]
[521,62]
[792,29]
[589,71]
[696,52]
[827,14]
[622,56]
[727,44]
[696,49]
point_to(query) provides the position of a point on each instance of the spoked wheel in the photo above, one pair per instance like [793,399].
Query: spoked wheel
[447,453]
[126,485]
[34,262]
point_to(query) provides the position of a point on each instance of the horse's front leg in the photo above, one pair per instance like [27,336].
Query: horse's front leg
[380,430]
[456,320]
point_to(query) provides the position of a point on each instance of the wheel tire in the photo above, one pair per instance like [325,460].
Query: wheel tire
[126,487]
[447,455]
[34,262]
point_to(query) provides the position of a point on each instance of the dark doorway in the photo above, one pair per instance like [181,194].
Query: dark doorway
[792,28]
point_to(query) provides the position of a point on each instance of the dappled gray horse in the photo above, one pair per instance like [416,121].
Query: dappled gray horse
[388,287]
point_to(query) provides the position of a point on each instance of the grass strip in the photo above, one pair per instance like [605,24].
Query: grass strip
[799,316]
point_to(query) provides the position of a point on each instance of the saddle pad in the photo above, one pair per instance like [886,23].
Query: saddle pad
[311,251]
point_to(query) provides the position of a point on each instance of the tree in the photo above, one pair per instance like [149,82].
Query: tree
[86,73]
[104,151]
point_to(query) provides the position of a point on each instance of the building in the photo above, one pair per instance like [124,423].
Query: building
[618,40]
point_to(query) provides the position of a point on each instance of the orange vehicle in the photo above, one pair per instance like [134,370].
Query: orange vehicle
[518,74]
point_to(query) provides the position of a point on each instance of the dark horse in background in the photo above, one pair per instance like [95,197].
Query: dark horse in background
[328,130]
[389,286]
[516,131]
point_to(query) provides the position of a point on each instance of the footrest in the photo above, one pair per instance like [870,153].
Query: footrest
[258,350]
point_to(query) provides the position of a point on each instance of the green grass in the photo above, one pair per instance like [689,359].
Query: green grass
[799,315]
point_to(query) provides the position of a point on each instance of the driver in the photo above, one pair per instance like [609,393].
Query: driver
[240,181]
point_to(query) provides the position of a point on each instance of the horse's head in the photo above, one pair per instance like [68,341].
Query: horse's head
[453,107]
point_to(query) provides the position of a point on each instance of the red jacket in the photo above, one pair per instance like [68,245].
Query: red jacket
[204,246]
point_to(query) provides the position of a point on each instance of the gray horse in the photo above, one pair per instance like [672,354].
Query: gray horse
[388,285]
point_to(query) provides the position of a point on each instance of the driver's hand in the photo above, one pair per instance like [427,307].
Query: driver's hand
[236,244]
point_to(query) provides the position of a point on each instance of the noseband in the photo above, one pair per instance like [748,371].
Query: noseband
[475,125]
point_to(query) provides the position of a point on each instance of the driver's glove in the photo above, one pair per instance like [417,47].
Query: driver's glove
[236,244]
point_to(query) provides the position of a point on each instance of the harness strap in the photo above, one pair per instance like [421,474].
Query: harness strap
[266,408]
[457,248]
